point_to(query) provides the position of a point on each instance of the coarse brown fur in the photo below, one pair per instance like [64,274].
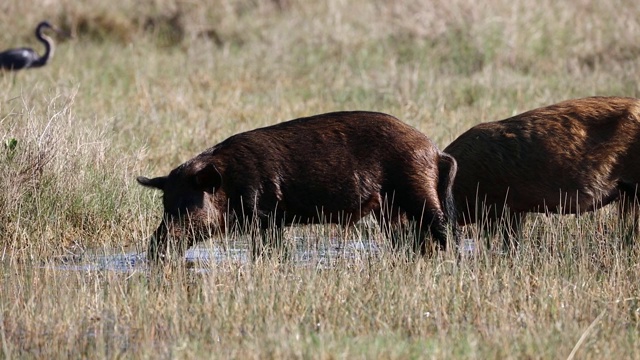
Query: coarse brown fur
[571,157]
[334,168]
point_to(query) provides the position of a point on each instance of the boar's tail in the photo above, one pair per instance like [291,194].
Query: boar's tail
[447,168]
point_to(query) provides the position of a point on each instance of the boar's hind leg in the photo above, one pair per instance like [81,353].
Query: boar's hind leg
[405,211]
[438,231]
[428,217]
[629,212]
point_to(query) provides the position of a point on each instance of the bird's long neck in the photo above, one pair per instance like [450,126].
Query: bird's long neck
[48,48]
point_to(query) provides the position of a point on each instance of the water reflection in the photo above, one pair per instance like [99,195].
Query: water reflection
[306,251]
[91,262]
[203,257]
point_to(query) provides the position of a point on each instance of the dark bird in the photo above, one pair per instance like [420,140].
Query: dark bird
[24,58]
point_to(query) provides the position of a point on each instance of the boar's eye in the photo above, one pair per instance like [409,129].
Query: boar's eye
[156,183]
[207,179]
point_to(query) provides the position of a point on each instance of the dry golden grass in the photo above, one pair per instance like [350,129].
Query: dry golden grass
[144,86]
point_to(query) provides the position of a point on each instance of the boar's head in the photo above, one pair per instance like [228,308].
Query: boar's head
[193,208]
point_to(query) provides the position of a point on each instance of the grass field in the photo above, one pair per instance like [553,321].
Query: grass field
[141,87]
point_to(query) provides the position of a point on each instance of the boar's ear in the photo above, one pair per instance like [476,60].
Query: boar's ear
[208,178]
[156,183]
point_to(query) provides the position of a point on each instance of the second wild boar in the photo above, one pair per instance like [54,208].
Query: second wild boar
[334,168]
[570,157]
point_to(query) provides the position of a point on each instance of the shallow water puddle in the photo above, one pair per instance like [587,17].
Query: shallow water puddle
[323,253]
[204,257]
[92,262]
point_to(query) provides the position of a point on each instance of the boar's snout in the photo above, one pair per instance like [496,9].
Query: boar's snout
[175,235]
[157,244]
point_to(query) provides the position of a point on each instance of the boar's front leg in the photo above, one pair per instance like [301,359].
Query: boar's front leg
[269,239]
[269,242]
[512,231]
[629,212]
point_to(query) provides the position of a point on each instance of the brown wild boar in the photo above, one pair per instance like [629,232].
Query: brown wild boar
[336,168]
[571,157]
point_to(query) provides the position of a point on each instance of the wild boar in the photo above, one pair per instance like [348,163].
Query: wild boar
[569,158]
[333,168]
